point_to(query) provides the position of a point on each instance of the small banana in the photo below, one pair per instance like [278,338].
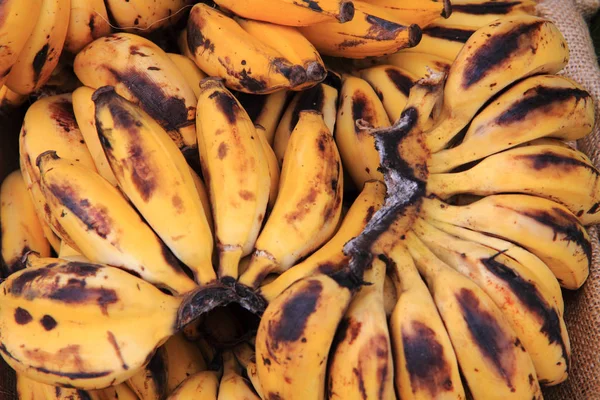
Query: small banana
[204,198]
[142,73]
[443,41]
[68,253]
[290,12]
[41,52]
[28,389]
[372,32]
[140,15]
[265,110]
[246,356]
[192,74]
[150,382]
[201,386]
[274,170]
[233,385]
[420,12]
[88,21]
[22,231]
[117,392]
[306,213]
[10,100]
[236,172]
[478,13]
[418,64]
[182,359]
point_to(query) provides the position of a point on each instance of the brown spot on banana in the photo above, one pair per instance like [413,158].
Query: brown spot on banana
[450,34]
[62,113]
[39,60]
[222,150]
[402,82]
[48,322]
[178,204]
[195,38]
[22,316]
[490,7]
[252,84]
[113,342]
[549,160]
[75,292]
[247,195]
[227,104]
[303,206]
[142,173]
[311,99]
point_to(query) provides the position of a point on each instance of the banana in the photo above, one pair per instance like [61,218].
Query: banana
[290,12]
[265,110]
[358,101]
[68,253]
[425,364]
[306,213]
[295,335]
[118,392]
[478,13]
[372,32]
[10,100]
[22,231]
[232,159]
[41,52]
[201,386]
[150,382]
[246,356]
[221,47]
[392,85]
[19,20]
[140,15]
[420,12]
[361,364]
[494,57]
[390,296]
[182,359]
[192,74]
[182,44]
[543,227]
[540,106]
[418,64]
[274,170]
[233,385]
[331,257]
[155,177]
[28,389]
[443,41]
[49,304]
[88,21]
[491,357]
[542,171]
[322,98]
[292,45]
[204,198]
[84,110]
[104,226]
[142,73]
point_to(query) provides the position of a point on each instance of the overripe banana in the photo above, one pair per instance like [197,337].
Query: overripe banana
[190,71]
[182,359]
[88,21]
[201,386]
[246,356]
[478,13]
[28,389]
[10,100]
[117,392]
[68,253]
[444,42]
[150,382]
[204,198]
[233,385]
[265,110]
[274,170]
[420,12]
[144,16]
[418,64]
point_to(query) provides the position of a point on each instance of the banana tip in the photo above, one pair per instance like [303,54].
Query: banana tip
[48,154]
[346,11]
[102,91]
[414,35]
[316,72]
[447,11]
[212,81]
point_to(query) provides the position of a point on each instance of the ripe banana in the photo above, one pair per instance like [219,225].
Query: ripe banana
[236,172]
[420,12]
[182,359]
[274,170]
[150,382]
[544,227]
[88,21]
[361,364]
[155,177]
[478,13]
[41,52]
[117,392]
[204,198]
[142,73]
[494,57]
[140,15]
[540,106]
[246,356]
[358,101]
[542,171]
[22,231]
[322,98]
[331,257]
[442,41]
[290,12]
[10,100]
[28,389]
[182,44]
[306,213]
[489,353]
[190,71]
[201,386]
[265,110]
[372,32]
[68,253]
[533,316]
[418,64]
[104,226]
[233,385]
[295,335]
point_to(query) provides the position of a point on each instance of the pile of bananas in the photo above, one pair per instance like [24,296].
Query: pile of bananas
[334,199]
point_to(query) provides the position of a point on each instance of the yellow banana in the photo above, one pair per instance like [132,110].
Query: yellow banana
[182,44]
[154,175]
[140,15]
[236,172]
[361,364]
[104,226]
[488,351]
[494,57]
[68,253]
[390,296]
[546,105]
[204,198]
[265,110]
[117,392]
[322,98]
[306,213]
[290,12]
[331,257]
[443,41]
[372,32]
[28,389]
[41,52]
[150,382]
[190,71]
[358,101]
[142,73]
[478,13]
[22,231]
[246,356]
[274,170]
[201,386]
[233,385]
[182,358]
[418,64]
[88,21]
[10,100]
[420,12]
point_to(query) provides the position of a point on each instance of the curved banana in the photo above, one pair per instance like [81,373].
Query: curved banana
[494,57]
[117,392]
[358,101]
[331,257]
[418,64]
[246,356]
[274,170]
[265,110]
[150,382]
[28,389]
[545,228]
[88,21]
[420,12]
[182,359]
[154,175]
[489,353]
[204,198]
[542,170]
[190,71]
[290,12]
[140,15]
[22,231]
[361,364]
[201,386]
[322,98]
[104,226]
[540,106]
[10,100]
[443,41]
[68,253]
[182,44]
[478,13]
[233,385]
[306,213]
[295,335]
[372,32]
[142,73]
[236,172]
[41,52]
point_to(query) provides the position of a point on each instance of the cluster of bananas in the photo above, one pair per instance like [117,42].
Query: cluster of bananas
[397,225]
